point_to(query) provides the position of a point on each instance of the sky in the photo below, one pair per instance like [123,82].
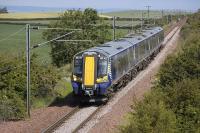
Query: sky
[106,4]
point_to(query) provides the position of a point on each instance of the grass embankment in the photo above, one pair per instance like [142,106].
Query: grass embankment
[173,104]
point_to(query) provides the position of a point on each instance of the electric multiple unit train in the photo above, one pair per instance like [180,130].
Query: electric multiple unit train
[98,69]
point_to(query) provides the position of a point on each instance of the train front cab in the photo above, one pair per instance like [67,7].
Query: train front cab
[90,75]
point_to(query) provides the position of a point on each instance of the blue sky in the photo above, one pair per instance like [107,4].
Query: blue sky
[104,4]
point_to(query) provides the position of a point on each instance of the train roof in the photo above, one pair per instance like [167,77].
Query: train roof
[114,47]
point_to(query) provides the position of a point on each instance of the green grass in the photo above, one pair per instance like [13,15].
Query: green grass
[42,102]
[63,88]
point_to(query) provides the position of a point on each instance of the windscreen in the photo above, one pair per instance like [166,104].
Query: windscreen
[78,67]
[102,67]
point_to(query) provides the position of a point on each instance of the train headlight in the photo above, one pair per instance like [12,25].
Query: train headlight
[103,79]
[76,78]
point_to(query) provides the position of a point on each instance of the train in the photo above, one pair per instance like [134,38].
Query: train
[110,66]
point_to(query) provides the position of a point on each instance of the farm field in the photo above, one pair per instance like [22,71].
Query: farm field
[22,22]
[16,44]
[34,15]
[138,13]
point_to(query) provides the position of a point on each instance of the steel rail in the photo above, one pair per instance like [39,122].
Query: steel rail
[59,122]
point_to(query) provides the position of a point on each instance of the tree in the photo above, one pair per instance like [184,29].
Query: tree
[3,10]
[87,20]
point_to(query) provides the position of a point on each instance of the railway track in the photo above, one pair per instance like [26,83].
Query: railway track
[84,114]
[56,124]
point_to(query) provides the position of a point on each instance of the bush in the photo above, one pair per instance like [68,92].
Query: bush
[183,98]
[13,85]
[151,115]
[12,106]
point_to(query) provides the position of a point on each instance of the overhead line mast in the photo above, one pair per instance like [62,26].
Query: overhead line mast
[148,10]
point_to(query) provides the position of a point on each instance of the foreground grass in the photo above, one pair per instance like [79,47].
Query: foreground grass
[63,89]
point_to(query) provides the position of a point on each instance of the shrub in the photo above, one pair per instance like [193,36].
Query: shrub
[151,115]
[183,98]
[13,85]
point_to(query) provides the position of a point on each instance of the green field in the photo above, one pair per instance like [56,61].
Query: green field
[138,13]
[16,44]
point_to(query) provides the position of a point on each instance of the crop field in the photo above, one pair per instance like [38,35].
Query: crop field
[35,15]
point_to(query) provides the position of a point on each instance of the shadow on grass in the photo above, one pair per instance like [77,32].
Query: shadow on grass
[69,100]
[73,101]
